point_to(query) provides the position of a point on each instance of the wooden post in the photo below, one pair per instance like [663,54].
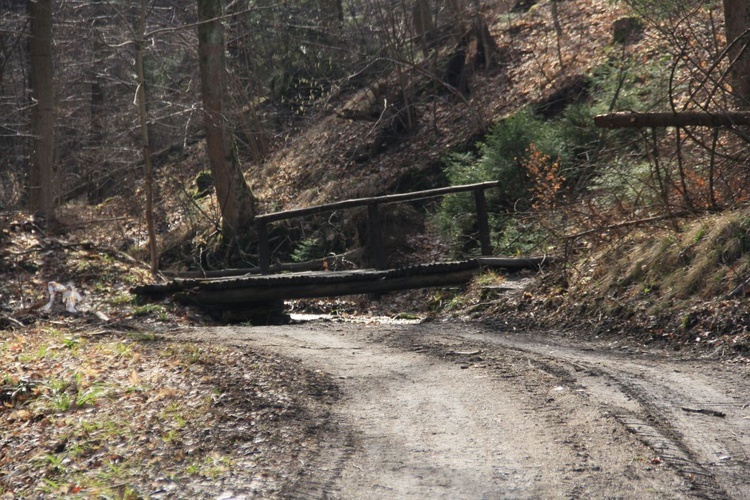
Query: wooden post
[482,221]
[264,251]
[376,237]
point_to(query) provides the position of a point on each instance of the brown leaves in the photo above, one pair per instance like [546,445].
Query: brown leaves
[134,379]
[82,415]
[544,174]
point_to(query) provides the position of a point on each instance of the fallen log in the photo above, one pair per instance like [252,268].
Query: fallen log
[258,288]
[367,285]
[682,119]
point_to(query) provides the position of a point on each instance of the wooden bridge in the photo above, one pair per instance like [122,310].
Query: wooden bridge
[248,288]
[256,288]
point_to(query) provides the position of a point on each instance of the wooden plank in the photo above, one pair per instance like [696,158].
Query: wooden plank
[252,288]
[361,202]
[252,294]
[288,279]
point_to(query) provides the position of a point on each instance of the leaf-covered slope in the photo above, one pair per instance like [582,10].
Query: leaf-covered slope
[332,158]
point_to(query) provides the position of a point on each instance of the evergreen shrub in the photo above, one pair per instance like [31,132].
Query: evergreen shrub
[608,165]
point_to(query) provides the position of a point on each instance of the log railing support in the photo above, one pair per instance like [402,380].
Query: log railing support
[264,250]
[376,237]
[483,222]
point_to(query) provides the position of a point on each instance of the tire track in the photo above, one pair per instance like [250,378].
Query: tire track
[648,396]
[448,411]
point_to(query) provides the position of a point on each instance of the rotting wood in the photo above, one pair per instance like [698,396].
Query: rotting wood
[681,119]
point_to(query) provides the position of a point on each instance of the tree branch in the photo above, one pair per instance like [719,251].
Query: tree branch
[683,119]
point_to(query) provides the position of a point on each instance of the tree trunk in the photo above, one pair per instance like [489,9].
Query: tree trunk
[236,200]
[145,143]
[737,25]
[424,26]
[42,157]
[98,108]
[332,12]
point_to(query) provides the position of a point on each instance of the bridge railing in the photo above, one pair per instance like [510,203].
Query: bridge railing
[373,218]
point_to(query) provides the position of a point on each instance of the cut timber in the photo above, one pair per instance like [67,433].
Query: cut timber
[364,283]
[248,289]
[685,119]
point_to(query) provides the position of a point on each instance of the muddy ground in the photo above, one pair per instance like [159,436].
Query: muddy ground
[469,410]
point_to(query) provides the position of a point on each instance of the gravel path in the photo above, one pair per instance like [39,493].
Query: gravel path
[461,410]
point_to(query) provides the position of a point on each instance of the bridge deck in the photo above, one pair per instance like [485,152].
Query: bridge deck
[253,288]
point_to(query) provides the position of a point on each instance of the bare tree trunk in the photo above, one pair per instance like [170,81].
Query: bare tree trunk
[558,32]
[236,200]
[42,157]
[424,26]
[244,101]
[96,167]
[737,25]
[143,116]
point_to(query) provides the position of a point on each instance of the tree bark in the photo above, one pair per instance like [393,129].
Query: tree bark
[236,200]
[145,143]
[424,26]
[42,156]
[687,119]
[98,109]
[737,27]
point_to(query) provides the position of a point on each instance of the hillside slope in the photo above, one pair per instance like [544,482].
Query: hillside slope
[331,158]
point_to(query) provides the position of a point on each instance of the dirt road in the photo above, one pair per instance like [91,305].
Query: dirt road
[461,410]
